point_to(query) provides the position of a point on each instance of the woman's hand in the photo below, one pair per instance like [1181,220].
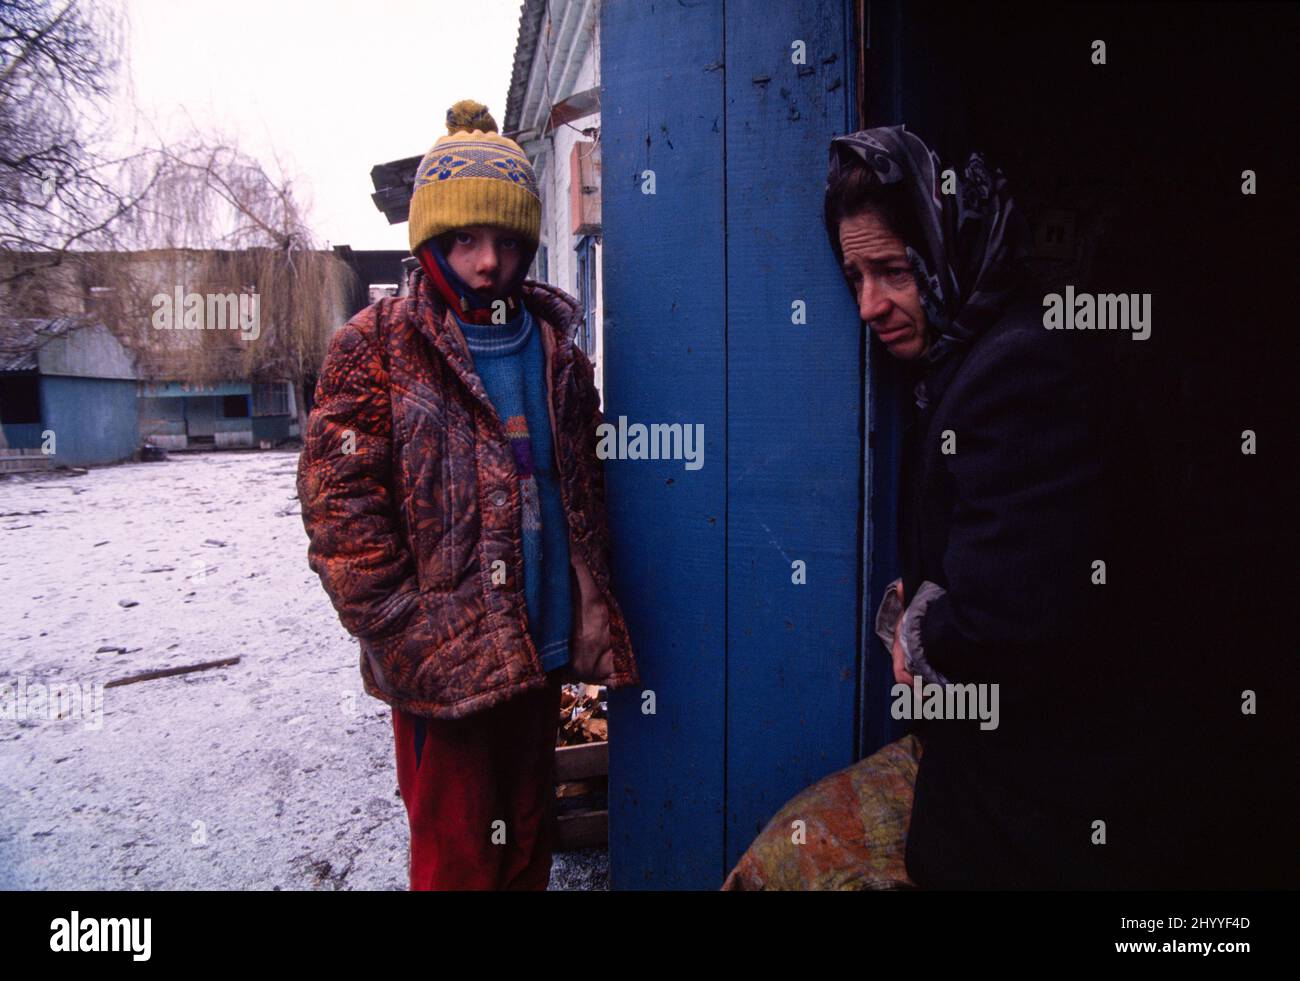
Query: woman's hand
[901,674]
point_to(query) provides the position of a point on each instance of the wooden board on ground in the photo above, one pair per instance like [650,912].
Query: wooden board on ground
[19,460]
[581,762]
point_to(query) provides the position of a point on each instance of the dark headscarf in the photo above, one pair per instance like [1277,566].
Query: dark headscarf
[968,264]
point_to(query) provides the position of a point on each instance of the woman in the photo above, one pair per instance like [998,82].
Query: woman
[1005,514]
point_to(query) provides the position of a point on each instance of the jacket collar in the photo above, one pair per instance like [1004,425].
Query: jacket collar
[559,311]
[557,315]
[555,306]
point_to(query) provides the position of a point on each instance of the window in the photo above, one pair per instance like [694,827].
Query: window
[377,291]
[234,406]
[98,300]
[271,399]
[586,287]
[543,274]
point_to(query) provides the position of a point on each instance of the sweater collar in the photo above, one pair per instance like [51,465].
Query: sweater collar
[496,340]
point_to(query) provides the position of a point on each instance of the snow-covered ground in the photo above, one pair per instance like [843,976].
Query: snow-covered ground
[273,773]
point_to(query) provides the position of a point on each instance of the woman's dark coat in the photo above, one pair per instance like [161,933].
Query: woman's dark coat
[1009,525]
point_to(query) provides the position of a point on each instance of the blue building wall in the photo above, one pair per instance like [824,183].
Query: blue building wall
[756,680]
[23,435]
[161,416]
[95,420]
[272,428]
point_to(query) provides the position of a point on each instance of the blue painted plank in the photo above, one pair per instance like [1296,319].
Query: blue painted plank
[794,416]
[664,324]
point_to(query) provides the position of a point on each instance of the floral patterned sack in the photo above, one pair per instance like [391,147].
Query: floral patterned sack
[854,830]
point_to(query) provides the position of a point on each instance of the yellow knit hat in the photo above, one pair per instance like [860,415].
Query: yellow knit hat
[474,176]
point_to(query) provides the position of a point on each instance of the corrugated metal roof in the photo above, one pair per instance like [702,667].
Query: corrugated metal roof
[22,337]
[530,25]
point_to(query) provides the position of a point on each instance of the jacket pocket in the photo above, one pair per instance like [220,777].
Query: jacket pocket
[591,651]
[383,651]
[441,663]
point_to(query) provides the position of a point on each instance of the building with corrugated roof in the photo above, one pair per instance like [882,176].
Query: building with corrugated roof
[67,394]
[553,113]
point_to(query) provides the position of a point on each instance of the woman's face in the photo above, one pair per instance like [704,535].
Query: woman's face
[875,263]
[485,257]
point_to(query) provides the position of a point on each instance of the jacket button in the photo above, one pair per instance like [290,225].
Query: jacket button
[499,498]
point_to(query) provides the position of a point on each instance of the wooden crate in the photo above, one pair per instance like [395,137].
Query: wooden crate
[579,771]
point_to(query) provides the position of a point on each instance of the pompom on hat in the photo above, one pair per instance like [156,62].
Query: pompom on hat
[474,176]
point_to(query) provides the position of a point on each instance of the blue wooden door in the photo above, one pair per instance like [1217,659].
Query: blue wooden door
[201,415]
[742,580]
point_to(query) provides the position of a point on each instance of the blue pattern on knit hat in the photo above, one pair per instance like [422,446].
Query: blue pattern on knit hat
[473,158]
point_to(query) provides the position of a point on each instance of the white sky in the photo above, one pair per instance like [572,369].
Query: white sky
[332,88]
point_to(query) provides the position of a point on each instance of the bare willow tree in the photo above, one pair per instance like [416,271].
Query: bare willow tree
[60,187]
[217,223]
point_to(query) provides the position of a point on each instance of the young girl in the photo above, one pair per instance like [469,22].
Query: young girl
[455,506]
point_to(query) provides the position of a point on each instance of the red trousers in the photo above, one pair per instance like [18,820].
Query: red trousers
[480,793]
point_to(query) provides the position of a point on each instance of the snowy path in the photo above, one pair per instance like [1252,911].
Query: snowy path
[274,773]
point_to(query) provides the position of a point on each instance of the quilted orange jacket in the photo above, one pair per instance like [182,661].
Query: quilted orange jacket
[414,516]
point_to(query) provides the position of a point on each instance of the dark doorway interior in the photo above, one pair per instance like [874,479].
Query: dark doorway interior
[1132,172]
[20,399]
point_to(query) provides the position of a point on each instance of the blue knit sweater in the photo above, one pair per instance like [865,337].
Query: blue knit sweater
[509,359]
